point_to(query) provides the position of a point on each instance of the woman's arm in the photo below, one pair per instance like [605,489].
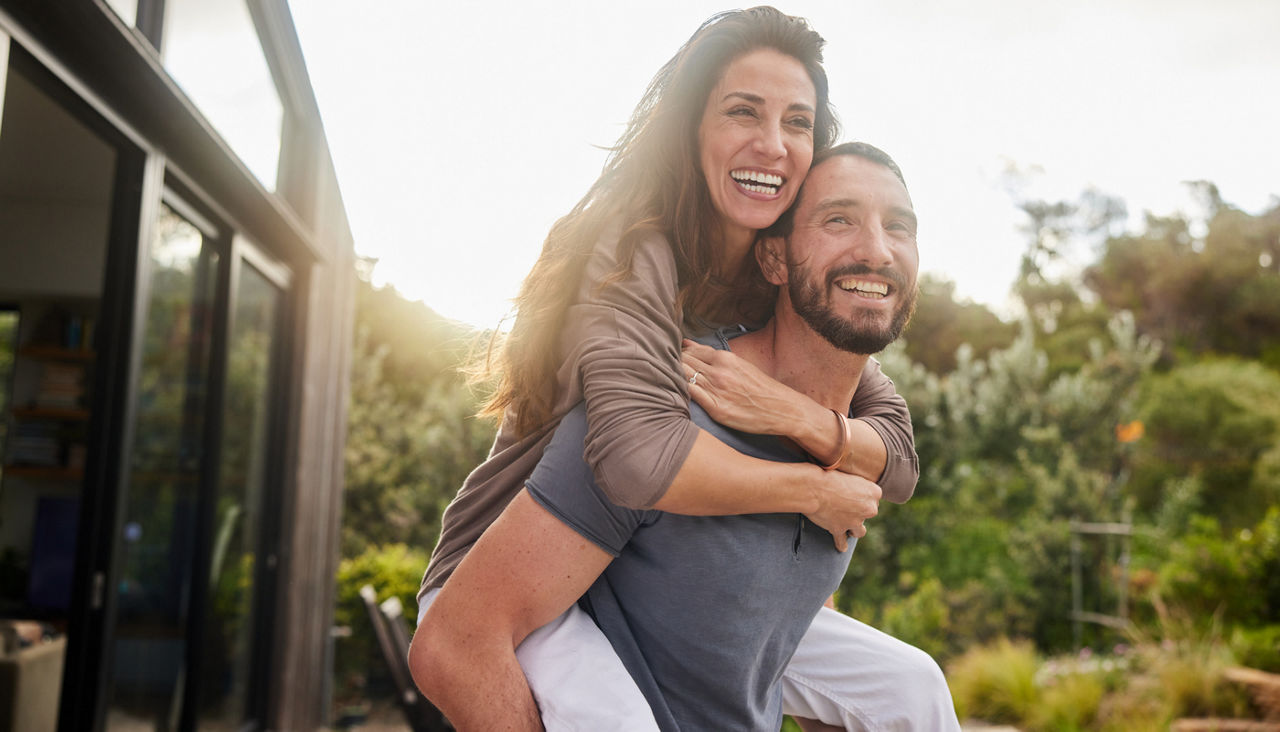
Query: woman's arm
[621,347]
[716,480]
[881,447]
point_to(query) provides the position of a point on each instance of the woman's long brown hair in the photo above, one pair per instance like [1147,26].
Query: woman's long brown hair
[651,182]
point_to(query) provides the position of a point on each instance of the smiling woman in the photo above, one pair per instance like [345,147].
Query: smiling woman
[755,143]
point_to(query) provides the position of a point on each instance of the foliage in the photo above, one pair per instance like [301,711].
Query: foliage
[394,570]
[411,437]
[1143,687]
[1219,293]
[995,683]
[1258,647]
[1217,421]
[941,325]
[1232,577]
[1010,454]
[1068,705]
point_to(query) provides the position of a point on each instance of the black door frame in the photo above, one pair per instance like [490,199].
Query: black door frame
[143,179]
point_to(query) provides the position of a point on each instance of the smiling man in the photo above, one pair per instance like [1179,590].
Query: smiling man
[704,611]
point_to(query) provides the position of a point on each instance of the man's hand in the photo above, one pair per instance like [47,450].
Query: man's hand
[844,503]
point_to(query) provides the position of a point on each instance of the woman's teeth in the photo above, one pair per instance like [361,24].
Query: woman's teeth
[757,182]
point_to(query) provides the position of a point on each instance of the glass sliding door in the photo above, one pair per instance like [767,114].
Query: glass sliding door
[158,539]
[242,563]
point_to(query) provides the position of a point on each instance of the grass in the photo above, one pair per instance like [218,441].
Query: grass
[1131,689]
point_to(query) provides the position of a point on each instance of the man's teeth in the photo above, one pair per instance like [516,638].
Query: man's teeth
[757,182]
[872,289]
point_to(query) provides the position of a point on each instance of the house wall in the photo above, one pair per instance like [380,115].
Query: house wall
[303,225]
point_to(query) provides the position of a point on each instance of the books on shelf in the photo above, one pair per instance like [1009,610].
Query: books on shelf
[36,443]
[61,386]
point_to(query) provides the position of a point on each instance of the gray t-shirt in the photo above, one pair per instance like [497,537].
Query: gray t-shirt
[705,611]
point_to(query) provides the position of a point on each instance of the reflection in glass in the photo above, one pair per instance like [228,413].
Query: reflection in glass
[156,542]
[228,636]
[8,337]
[212,50]
[126,9]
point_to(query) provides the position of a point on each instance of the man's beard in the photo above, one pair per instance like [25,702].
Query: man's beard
[862,333]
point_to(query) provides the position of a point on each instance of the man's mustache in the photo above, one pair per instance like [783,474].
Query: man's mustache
[853,270]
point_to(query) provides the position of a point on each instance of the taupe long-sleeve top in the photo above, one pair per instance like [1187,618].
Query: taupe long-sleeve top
[620,352]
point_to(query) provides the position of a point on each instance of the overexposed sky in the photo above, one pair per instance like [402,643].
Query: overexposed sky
[462,131]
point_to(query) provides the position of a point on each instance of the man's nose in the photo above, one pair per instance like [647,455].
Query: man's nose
[873,246]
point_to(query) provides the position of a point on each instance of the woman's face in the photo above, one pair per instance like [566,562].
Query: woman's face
[755,141]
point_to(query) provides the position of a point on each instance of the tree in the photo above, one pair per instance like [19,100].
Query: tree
[941,325]
[1217,294]
[411,436]
[1216,422]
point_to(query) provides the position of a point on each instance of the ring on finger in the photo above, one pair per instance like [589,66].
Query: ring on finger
[693,380]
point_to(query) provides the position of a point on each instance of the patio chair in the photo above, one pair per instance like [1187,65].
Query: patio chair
[393,641]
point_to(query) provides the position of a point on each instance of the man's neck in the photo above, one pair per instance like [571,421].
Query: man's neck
[792,353]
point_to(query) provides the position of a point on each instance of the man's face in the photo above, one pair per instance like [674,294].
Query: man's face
[851,258]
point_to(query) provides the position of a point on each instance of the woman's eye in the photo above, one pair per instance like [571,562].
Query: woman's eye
[803,123]
[742,112]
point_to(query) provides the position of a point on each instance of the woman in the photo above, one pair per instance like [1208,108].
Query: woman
[657,248]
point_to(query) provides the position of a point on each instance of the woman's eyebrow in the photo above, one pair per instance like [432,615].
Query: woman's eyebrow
[757,99]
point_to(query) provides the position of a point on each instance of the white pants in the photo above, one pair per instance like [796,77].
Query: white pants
[843,673]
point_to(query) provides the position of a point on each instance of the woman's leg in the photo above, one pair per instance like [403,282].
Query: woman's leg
[576,677]
[848,674]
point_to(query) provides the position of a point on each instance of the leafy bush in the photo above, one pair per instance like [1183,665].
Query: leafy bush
[1217,421]
[1234,574]
[1257,647]
[995,683]
[392,570]
[1069,704]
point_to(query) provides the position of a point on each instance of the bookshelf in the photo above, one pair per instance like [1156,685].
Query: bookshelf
[46,416]
[49,421]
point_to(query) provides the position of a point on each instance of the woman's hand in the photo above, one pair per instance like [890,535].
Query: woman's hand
[737,394]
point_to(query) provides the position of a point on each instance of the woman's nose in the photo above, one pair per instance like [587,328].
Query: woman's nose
[769,141]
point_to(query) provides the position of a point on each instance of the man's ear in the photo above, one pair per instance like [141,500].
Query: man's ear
[771,254]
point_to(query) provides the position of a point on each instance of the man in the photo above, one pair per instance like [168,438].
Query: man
[703,611]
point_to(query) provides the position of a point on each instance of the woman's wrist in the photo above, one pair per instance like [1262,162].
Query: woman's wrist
[814,432]
[844,442]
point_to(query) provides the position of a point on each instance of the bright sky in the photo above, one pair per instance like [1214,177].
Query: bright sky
[462,131]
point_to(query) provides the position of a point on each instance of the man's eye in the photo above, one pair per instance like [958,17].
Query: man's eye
[837,220]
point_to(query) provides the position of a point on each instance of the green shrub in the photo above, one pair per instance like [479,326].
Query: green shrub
[1257,647]
[1217,421]
[995,683]
[1194,685]
[1069,704]
[1234,575]
[920,619]
[394,569]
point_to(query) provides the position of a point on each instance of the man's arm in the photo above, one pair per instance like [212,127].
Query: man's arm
[525,570]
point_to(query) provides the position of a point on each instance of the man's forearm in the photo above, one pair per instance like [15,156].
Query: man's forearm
[479,687]
[526,569]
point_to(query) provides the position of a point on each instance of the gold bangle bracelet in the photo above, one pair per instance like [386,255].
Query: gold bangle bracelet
[846,436]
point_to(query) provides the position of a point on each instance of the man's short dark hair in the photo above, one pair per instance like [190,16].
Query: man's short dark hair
[785,223]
